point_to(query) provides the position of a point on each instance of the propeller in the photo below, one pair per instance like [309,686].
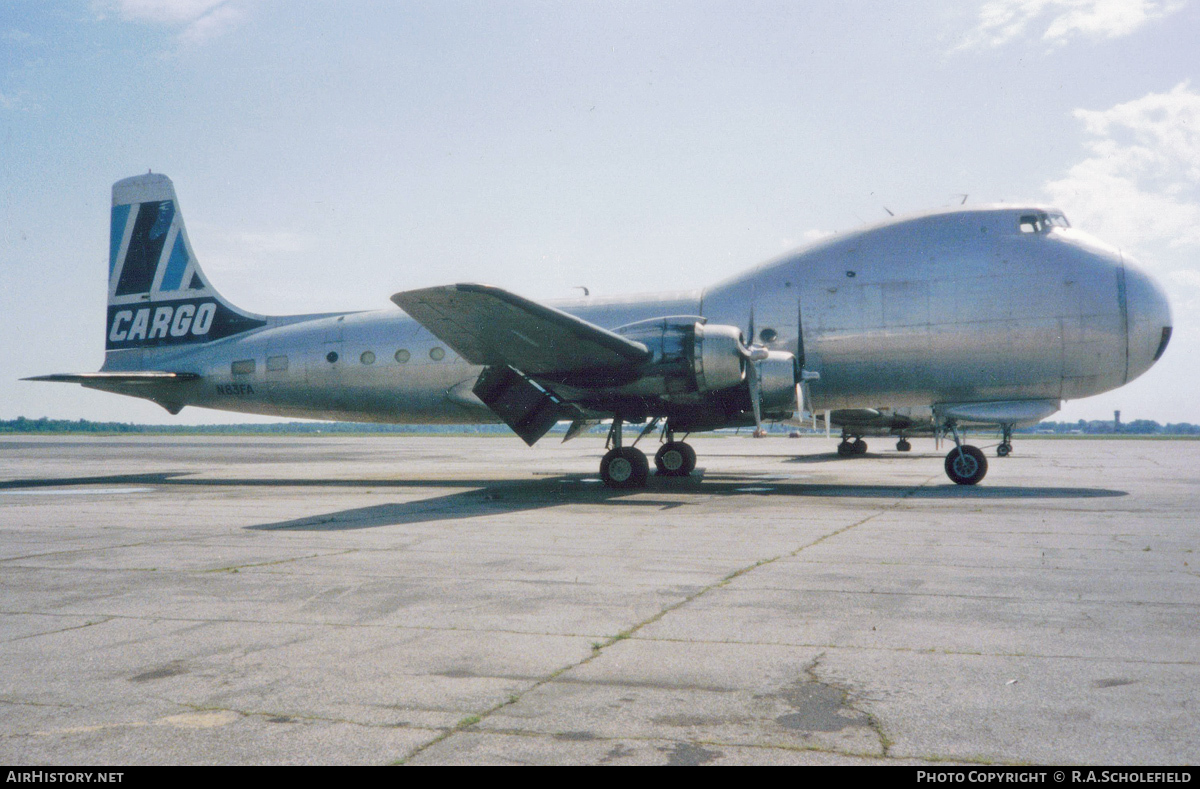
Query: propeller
[754,355]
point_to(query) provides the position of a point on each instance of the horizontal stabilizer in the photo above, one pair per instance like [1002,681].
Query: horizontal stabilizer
[145,377]
[492,327]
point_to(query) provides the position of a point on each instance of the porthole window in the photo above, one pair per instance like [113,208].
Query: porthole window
[768,335]
[367,357]
[437,354]
[331,357]
[403,356]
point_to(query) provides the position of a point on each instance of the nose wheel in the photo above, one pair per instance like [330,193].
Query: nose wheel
[1005,448]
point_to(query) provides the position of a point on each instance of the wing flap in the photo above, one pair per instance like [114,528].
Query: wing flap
[492,327]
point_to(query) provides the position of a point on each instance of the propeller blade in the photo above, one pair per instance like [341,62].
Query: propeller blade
[753,379]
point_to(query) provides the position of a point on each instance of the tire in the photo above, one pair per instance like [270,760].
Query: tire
[860,447]
[624,468]
[1004,450]
[675,459]
[903,446]
[845,449]
[966,467]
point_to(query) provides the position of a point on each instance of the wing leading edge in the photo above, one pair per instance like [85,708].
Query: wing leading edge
[491,327]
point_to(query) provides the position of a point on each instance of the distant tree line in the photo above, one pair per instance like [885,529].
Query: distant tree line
[45,425]
[1101,427]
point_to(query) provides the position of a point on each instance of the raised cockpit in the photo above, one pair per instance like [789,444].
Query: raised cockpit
[1041,222]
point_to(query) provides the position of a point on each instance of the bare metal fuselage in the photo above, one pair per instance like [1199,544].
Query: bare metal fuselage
[959,306]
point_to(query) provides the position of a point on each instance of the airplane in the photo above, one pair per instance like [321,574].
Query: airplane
[983,315]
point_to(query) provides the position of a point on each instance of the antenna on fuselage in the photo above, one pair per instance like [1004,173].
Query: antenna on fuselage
[885,208]
[963,196]
[586,292]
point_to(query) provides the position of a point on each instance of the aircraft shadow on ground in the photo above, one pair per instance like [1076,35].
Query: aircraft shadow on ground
[481,497]
[495,498]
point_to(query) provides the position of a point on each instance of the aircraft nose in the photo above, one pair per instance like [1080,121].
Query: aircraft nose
[1148,320]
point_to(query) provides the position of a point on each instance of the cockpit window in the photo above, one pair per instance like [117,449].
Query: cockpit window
[1041,222]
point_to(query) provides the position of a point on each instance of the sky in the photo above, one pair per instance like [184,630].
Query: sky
[327,155]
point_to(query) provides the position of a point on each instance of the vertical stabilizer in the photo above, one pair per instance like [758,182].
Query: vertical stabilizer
[157,294]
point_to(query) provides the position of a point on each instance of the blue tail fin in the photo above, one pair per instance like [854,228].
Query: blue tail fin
[157,294]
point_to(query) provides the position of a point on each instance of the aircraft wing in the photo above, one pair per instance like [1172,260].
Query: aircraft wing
[492,327]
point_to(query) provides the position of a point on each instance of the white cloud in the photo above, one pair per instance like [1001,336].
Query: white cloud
[1001,21]
[1140,184]
[165,12]
[212,24]
[14,101]
[199,20]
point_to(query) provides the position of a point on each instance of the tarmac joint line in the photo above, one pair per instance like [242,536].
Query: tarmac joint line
[599,647]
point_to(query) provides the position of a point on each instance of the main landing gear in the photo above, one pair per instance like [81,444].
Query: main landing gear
[903,446]
[624,467]
[848,448]
[627,467]
[965,464]
[675,458]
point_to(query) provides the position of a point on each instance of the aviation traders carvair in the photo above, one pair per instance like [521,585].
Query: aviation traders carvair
[925,324]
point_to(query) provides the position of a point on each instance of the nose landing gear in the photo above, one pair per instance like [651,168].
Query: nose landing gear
[1005,448]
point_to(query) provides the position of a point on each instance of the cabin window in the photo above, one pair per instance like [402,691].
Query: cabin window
[437,354]
[403,356]
[367,357]
[768,335]
[276,364]
[242,367]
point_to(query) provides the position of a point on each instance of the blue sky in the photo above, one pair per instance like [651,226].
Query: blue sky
[328,154]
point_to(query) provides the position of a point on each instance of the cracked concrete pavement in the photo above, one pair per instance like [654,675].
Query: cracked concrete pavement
[390,599]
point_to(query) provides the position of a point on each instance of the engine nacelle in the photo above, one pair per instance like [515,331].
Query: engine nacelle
[777,381]
[687,356]
[717,359]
